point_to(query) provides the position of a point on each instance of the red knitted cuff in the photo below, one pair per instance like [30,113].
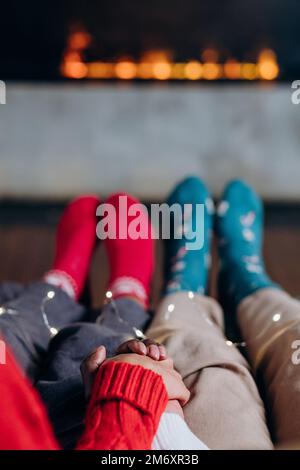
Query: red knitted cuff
[135,384]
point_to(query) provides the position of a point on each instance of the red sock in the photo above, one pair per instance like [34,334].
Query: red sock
[131,260]
[75,241]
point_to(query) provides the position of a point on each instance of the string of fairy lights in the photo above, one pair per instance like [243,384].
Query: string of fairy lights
[275,318]
[159,65]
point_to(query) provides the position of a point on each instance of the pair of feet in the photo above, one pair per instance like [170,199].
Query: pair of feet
[238,223]
[131,261]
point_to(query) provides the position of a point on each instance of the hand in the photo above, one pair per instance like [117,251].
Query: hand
[134,352]
[157,352]
[93,361]
[165,368]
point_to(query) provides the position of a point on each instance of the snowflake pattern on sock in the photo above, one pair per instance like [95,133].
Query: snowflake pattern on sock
[187,270]
[240,238]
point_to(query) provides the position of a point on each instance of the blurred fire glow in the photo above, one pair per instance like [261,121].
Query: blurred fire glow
[158,65]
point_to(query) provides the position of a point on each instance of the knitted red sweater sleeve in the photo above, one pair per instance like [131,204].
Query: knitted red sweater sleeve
[125,408]
[24,422]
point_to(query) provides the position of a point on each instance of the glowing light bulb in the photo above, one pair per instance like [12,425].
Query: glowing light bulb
[267,65]
[268,70]
[276,317]
[171,308]
[162,70]
[232,69]
[138,333]
[76,70]
[193,70]
[211,71]
[126,70]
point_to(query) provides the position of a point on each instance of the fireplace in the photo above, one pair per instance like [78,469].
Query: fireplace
[161,65]
[167,40]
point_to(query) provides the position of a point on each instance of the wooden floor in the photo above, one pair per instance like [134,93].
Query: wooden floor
[27,245]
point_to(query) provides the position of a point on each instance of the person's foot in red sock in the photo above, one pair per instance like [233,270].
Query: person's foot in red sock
[131,260]
[75,242]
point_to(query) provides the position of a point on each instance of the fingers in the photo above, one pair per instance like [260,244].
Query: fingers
[90,366]
[153,352]
[147,347]
[138,347]
[132,346]
[156,351]
[163,352]
[94,360]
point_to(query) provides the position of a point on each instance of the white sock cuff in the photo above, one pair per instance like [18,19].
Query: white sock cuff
[61,279]
[127,286]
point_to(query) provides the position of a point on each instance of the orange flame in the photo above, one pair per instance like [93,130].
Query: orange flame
[159,65]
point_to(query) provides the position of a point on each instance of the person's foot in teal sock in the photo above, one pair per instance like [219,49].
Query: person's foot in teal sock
[240,237]
[186,269]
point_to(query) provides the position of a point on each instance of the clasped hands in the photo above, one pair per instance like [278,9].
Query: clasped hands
[147,354]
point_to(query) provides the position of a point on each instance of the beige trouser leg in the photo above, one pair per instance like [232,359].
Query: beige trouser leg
[270,323]
[225,410]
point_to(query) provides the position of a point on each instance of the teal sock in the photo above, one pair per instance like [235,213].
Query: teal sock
[240,239]
[185,269]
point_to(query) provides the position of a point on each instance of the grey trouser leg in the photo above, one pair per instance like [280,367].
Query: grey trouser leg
[23,325]
[60,383]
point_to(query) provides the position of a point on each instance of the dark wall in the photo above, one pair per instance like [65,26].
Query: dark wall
[32,36]
[33,32]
